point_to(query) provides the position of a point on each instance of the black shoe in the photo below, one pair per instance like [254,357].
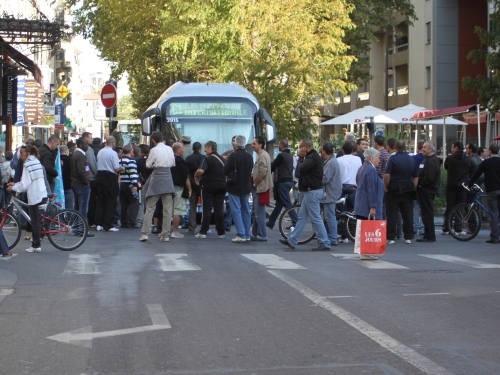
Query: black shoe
[227,229]
[257,239]
[285,242]
[491,240]
[90,235]
[320,248]
[424,240]
[269,225]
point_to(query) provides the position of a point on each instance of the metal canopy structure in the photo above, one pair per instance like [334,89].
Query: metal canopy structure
[22,60]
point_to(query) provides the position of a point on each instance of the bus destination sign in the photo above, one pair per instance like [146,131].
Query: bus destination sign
[229,110]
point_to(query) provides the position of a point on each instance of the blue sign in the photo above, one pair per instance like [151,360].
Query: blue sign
[379,132]
[21,101]
[9,96]
[59,112]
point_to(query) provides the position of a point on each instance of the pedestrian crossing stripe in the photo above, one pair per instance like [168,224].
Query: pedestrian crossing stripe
[176,262]
[273,262]
[461,261]
[372,264]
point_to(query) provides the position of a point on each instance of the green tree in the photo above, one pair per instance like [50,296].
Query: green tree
[487,85]
[126,109]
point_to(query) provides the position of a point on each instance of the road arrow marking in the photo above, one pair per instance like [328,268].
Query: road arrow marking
[84,336]
[83,264]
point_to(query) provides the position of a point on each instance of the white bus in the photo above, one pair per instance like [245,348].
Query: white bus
[207,112]
[128,131]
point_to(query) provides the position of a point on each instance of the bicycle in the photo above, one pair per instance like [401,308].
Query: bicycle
[464,221]
[345,221]
[65,229]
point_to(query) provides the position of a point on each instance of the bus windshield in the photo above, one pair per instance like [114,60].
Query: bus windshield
[213,120]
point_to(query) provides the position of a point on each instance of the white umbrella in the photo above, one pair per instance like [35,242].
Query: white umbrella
[402,115]
[361,115]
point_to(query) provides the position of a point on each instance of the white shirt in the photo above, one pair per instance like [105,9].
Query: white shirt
[160,156]
[35,189]
[349,165]
[107,160]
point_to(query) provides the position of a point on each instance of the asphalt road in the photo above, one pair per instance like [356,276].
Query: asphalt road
[192,306]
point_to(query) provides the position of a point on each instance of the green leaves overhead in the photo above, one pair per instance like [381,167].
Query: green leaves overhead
[287,53]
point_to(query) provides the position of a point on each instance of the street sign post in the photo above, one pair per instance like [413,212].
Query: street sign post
[108,95]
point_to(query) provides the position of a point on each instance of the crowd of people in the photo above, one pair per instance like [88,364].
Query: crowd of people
[148,188]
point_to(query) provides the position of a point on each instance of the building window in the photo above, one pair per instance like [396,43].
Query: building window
[428,77]
[428,32]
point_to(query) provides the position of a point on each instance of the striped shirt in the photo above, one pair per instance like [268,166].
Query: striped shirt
[129,175]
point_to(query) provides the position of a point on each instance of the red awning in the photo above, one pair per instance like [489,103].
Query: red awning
[442,112]
[7,50]
[471,118]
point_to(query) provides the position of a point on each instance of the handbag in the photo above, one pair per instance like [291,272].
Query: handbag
[370,237]
[265,197]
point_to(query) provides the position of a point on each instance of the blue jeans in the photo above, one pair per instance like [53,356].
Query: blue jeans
[259,217]
[282,201]
[82,195]
[310,209]
[331,221]
[241,215]
[418,226]
[69,199]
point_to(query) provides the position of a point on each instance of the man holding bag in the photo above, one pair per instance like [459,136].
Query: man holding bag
[262,183]
[310,172]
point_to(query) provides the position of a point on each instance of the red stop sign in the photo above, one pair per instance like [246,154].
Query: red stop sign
[108,95]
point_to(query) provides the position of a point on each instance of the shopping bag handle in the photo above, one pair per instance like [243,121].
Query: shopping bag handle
[371,216]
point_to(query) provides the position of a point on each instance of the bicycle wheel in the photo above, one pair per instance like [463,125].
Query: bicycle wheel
[350,225]
[287,225]
[464,222]
[67,230]
[11,229]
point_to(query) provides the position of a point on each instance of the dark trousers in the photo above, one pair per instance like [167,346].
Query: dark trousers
[107,207]
[453,197]
[426,201]
[129,206]
[193,205]
[34,213]
[282,201]
[493,198]
[399,203]
[92,203]
[215,200]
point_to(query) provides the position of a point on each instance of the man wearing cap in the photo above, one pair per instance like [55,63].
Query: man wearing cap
[186,141]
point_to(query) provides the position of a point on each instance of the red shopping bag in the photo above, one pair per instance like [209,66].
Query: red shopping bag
[370,237]
[265,197]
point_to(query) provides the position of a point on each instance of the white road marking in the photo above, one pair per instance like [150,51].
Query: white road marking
[409,355]
[461,261]
[372,264]
[176,262]
[8,258]
[83,264]
[424,294]
[273,262]
[84,336]
[6,292]
[339,296]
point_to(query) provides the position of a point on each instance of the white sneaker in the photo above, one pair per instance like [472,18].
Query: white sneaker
[99,228]
[176,235]
[390,242]
[222,236]
[144,238]
[199,235]
[408,242]
[113,230]
[238,239]
[209,231]
[34,250]
[165,239]
[345,240]
[444,233]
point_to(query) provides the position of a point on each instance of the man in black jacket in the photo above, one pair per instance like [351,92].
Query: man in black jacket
[460,169]
[194,162]
[238,170]
[182,185]
[310,172]
[66,177]
[429,181]
[48,154]
[491,169]
[282,167]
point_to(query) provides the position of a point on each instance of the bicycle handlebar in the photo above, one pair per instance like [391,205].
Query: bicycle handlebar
[474,187]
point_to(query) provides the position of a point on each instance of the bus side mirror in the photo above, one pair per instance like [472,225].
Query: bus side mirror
[146,126]
[270,127]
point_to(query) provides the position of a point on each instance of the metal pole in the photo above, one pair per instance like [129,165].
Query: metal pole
[444,137]
[478,125]
[387,69]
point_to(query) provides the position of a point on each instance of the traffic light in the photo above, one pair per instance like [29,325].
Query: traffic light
[111,112]
[371,126]
[112,126]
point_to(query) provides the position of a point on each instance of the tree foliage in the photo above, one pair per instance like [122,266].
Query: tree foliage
[487,86]
[287,53]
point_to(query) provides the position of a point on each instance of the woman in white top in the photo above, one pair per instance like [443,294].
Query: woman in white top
[33,183]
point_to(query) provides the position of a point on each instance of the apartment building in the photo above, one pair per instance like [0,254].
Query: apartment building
[425,64]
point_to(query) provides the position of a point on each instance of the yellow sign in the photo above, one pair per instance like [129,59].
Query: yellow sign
[62,91]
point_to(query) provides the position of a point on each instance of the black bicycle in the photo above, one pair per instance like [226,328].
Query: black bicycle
[346,223]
